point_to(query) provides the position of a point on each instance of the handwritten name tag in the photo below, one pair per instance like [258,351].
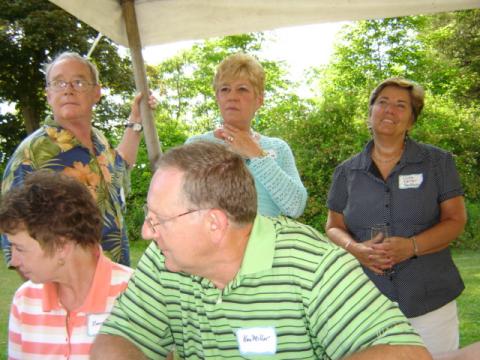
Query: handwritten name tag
[257,340]
[412,181]
[94,322]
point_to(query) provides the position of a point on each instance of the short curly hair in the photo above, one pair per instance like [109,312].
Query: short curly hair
[53,208]
[241,65]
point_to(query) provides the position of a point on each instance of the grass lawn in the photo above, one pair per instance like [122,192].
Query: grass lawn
[468,303]
[468,262]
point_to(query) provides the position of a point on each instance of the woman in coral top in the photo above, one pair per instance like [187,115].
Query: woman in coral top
[55,229]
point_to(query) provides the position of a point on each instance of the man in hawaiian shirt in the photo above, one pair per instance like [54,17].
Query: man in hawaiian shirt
[69,143]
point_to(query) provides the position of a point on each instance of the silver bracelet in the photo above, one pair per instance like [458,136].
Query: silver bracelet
[415,247]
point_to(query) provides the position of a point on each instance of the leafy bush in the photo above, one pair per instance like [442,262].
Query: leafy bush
[469,238]
[12,132]
[320,140]
[171,133]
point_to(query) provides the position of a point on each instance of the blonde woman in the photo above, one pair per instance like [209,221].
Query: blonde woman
[239,90]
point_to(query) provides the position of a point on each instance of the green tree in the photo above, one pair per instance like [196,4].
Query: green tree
[370,51]
[453,41]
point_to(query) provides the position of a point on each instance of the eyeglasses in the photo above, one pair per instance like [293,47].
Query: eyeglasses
[77,85]
[399,106]
[163,221]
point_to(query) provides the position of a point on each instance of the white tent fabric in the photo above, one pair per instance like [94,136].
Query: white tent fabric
[164,21]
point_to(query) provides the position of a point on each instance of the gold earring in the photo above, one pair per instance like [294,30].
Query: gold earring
[61,262]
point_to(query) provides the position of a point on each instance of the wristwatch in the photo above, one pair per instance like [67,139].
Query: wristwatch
[137,127]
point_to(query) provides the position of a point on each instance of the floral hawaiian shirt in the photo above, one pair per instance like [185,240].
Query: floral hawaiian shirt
[104,172]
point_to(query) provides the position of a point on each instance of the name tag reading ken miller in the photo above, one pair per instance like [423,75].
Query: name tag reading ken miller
[412,181]
[257,340]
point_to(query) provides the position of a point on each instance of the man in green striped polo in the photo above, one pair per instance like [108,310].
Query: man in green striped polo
[220,281]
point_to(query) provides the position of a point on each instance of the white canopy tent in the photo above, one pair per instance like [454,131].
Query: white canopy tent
[164,21]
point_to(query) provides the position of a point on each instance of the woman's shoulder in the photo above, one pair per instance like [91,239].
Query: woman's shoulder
[208,136]
[355,161]
[28,290]
[273,142]
[122,268]
[431,151]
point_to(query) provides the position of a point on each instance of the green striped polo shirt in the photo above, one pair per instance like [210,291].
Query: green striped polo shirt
[296,296]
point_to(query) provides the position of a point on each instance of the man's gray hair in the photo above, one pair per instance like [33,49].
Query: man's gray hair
[74,56]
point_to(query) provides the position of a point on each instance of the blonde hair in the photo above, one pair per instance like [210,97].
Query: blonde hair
[241,65]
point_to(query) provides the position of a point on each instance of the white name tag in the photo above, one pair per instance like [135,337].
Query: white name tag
[94,322]
[257,340]
[412,181]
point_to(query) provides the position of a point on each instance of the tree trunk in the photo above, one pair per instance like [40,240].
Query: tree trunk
[30,117]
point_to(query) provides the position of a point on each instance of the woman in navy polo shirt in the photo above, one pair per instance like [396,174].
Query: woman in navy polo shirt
[413,190]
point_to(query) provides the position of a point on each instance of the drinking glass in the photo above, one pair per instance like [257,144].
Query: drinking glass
[381,229]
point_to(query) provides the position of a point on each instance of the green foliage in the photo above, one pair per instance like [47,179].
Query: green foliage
[453,41]
[370,51]
[12,130]
[469,238]
[171,133]
[320,142]
[140,180]
[468,264]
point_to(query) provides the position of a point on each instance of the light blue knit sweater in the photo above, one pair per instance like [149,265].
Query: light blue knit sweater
[279,188]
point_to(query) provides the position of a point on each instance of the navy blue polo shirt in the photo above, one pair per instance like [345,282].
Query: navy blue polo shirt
[408,202]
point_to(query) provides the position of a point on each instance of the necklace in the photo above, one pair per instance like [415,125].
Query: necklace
[386,161]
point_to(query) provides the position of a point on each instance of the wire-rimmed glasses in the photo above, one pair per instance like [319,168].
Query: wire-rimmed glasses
[163,221]
[77,85]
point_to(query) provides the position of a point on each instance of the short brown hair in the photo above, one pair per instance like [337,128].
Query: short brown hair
[241,65]
[214,177]
[416,92]
[52,208]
